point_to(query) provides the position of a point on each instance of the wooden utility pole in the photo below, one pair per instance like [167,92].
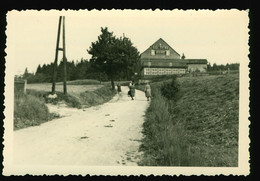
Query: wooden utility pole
[64,60]
[56,58]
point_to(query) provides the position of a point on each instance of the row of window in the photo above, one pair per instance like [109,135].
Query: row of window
[162,71]
[165,52]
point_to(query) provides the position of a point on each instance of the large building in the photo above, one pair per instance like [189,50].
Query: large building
[162,59]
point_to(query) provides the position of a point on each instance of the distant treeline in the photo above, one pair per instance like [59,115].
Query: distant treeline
[215,67]
[75,70]
[85,69]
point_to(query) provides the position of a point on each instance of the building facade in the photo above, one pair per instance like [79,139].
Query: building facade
[162,59]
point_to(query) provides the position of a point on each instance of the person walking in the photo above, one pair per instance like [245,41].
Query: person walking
[147,90]
[119,88]
[132,90]
[130,84]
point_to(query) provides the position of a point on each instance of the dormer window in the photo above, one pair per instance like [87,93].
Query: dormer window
[152,52]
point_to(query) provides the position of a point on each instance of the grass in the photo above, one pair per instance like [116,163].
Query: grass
[199,129]
[73,90]
[97,97]
[29,110]
[81,82]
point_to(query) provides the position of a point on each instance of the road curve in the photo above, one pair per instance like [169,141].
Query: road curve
[108,134]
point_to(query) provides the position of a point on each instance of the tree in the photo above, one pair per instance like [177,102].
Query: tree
[130,57]
[183,56]
[113,55]
[25,74]
[39,69]
[209,67]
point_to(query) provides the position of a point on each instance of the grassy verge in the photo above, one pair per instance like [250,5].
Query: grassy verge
[97,97]
[85,99]
[68,99]
[29,110]
[198,129]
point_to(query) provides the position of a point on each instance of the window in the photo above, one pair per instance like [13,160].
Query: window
[152,52]
[167,52]
[149,63]
[170,64]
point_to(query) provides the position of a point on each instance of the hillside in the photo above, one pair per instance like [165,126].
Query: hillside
[199,129]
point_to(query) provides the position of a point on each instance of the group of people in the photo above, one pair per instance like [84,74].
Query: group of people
[131,92]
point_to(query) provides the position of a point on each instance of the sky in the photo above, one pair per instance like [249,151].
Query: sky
[219,36]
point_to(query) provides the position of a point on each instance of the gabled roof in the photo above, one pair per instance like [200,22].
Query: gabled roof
[160,39]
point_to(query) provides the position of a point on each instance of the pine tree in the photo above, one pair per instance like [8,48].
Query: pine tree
[25,74]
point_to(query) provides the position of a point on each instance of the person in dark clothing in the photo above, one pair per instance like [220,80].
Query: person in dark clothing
[132,90]
[119,88]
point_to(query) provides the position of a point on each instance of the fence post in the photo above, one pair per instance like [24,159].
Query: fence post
[25,86]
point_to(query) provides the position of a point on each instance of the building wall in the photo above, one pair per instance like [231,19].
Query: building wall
[200,67]
[162,71]
[162,59]
[160,50]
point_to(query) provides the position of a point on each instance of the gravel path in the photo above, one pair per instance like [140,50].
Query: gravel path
[108,134]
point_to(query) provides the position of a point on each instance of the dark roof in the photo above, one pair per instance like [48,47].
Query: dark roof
[186,61]
[166,63]
[165,66]
[197,61]
[163,60]
[175,63]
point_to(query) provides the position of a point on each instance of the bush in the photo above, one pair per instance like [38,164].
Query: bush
[170,90]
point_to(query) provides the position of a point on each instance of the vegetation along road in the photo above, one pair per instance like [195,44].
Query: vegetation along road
[108,134]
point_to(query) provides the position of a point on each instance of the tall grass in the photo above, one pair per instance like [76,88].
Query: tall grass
[69,100]
[198,129]
[30,111]
[96,97]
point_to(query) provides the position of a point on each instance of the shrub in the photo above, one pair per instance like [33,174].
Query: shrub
[170,89]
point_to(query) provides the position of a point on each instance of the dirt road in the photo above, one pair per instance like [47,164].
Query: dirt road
[108,134]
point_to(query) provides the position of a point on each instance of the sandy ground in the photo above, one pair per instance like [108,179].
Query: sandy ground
[108,134]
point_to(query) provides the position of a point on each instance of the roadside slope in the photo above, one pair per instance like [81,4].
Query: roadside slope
[198,129]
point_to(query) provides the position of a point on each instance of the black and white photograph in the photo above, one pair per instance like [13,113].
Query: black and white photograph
[127,92]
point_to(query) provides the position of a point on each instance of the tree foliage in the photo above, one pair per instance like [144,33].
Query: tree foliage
[75,70]
[171,89]
[215,67]
[114,56]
